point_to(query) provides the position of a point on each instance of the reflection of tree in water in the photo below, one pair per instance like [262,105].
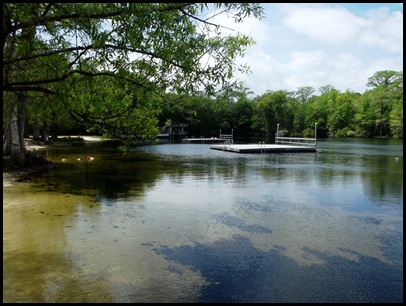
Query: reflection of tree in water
[207,169]
[110,176]
[384,184]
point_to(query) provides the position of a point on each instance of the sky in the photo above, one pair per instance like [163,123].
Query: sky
[319,44]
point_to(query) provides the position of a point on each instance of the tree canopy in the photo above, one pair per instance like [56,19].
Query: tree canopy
[157,46]
[151,48]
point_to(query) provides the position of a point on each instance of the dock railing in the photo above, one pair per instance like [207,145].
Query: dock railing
[228,138]
[297,141]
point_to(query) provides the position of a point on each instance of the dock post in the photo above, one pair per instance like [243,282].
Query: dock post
[277,130]
[315,135]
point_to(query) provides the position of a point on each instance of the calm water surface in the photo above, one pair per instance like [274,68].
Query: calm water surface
[184,223]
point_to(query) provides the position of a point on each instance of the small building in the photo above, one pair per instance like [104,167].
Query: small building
[174,132]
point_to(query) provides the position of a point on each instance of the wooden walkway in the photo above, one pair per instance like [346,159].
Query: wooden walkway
[263,148]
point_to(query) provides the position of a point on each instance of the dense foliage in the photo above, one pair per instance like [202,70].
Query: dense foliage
[378,112]
[108,65]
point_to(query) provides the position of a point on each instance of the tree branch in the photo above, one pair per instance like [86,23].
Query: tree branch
[18,86]
[46,10]
[44,54]
[44,20]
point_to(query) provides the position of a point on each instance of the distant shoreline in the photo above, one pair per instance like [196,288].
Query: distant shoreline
[32,145]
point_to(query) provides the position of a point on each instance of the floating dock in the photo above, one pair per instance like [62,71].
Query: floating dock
[263,148]
[282,145]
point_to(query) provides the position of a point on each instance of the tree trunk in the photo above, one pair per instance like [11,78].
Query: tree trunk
[17,152]
[13,140]
[7,133]
[7,140]
[54,133]
[45,131]
[36,129]
[26,130]
[22,102]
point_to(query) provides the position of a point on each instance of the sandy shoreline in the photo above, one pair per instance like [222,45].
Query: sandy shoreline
[31,144]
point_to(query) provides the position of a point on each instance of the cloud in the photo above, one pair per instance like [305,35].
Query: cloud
[325,24]
[341,45]
[384,30]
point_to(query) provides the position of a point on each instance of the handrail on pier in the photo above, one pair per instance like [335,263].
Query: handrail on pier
[306,142]
[297,141]
[228,138]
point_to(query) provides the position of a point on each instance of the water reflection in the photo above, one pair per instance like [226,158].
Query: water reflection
[183,223]
[177,162]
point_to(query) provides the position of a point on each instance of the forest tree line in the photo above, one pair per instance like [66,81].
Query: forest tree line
[378,112]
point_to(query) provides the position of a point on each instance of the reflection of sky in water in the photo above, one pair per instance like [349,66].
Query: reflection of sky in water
[289,227]
[295,217]
[202,225]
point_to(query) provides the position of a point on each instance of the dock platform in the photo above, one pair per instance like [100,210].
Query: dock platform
[263,148]
[282,145]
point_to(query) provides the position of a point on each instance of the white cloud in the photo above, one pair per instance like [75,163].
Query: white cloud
[321,44]
[385,30]
[328,25]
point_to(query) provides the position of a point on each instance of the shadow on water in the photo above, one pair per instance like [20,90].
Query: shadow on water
[238,272]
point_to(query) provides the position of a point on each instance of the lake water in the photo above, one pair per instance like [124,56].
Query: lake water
[185,223]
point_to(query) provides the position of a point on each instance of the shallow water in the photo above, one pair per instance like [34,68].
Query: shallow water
[184,223]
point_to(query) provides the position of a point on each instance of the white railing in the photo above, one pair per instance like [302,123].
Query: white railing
[228,138]
[296,141]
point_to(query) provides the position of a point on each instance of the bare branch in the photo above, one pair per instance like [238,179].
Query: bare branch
[204,21]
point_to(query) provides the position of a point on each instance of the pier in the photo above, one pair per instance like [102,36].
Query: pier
[223,138]
[203,140]
[282,145]
[263,148]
